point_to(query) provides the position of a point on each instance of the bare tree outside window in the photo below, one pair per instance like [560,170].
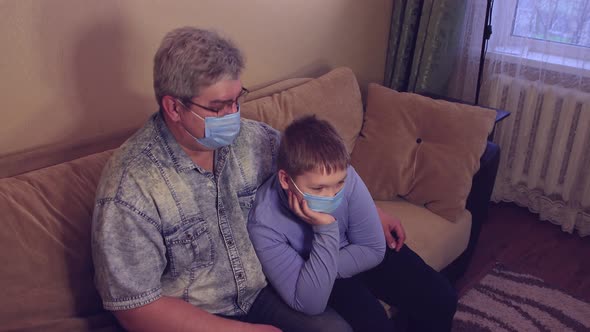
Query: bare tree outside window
[560,21]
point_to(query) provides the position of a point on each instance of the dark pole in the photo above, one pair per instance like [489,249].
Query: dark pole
[487,32]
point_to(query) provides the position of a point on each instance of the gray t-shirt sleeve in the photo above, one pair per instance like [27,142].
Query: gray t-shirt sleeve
[128,253]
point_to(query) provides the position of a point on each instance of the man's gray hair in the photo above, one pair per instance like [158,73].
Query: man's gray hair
[190,59]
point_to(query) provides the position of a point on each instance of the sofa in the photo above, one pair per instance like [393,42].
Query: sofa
[425,161]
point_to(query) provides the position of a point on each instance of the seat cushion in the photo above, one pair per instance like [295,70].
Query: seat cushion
[423,149]
[334,97]
[437,240]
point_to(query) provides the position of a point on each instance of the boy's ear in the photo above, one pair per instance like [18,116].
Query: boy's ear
[283,179]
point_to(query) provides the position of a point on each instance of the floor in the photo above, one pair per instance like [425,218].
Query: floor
[516,238]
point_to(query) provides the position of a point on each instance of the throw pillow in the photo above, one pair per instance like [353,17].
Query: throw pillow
[421,149]
[334,97]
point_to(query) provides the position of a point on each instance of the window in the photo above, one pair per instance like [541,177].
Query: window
[566,22]
[555,32]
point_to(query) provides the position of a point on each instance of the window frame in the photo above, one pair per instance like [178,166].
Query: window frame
[532,49]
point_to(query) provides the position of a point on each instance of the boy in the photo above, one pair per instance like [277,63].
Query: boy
[316,231]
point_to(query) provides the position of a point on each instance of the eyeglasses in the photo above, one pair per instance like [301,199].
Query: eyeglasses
[224,104]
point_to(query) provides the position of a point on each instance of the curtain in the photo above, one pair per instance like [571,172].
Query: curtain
[538,68]
[425,43]
[464,78]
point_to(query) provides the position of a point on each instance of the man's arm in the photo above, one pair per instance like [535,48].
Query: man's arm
[118,232]
[391,225]
[171,314]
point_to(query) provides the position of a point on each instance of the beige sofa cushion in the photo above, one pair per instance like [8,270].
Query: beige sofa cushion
[276,87]
[45,257]
[422,149]
[334,97]
[436,240]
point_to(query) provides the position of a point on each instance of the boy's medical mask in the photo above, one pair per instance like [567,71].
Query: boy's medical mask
[321,203]
[219,131]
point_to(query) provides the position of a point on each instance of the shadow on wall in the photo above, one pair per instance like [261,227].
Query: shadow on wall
[311,70]
[103,110]
[94,93]
[103,70]
[96,74]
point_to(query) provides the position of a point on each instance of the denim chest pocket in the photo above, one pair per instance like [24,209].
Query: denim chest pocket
[246,198]
[190,248]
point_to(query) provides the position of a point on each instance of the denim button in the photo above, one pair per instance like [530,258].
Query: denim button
[419,140]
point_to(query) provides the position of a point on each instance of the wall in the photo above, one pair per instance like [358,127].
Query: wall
[73,72]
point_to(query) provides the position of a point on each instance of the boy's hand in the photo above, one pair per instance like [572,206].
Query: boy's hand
[308,215]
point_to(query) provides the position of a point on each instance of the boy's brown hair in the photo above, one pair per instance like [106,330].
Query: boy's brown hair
[310,144]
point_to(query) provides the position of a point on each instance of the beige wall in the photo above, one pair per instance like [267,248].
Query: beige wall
[75,71]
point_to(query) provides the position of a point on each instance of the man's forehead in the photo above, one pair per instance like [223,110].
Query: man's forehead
[222,91]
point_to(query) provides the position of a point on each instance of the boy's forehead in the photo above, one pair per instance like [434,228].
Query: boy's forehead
[320,176]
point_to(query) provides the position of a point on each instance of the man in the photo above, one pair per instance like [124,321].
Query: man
[169,240]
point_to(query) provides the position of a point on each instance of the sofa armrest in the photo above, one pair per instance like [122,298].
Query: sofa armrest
[483,183]
[477,203]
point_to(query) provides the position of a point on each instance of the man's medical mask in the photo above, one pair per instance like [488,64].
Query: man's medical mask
[321,203]
[219,131]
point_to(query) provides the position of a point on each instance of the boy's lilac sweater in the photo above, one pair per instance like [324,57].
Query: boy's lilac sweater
[302,261]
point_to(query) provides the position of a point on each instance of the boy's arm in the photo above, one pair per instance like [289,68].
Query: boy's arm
[305,285]
[365,234]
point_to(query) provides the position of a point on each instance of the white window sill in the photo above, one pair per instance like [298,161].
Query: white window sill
[541,60]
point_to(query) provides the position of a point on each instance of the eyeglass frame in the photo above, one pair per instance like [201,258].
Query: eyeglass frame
[227,103]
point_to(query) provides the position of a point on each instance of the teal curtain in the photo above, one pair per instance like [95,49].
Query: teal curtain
[424,45]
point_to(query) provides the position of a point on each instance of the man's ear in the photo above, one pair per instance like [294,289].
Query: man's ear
[283,179]
[171,108]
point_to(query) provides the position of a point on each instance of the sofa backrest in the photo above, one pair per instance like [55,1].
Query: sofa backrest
[47,272]
[45,255]
[334,97]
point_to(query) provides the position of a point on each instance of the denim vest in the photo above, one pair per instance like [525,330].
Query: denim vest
[164,226]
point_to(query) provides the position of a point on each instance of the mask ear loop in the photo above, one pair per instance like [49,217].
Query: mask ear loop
[299,190]
[178,102]
[176,110]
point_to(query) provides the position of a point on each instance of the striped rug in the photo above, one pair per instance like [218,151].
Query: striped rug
[510,301]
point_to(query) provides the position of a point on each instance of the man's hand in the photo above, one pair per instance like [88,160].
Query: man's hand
[391,224]
[172,314]
[308,215]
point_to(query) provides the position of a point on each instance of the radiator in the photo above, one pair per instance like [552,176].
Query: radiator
[545,143]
